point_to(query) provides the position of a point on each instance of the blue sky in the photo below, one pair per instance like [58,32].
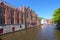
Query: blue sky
[43,8]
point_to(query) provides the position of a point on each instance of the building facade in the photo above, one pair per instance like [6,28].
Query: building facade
[12,15]
[29,16]
[15,19]
[8,14]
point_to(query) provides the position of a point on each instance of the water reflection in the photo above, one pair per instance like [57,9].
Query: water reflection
[45,32]
[57,34]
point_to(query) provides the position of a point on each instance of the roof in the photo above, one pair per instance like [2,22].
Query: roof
[8,4]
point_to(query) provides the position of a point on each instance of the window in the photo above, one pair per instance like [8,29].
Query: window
[36,17]
[2,18]
[22,18]
[20,26]
[27,14]
[31,15]
[12,13]
[17,17]
[2,10]
[12,16]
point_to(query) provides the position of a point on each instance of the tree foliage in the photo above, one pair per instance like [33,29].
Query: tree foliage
[56,16]
[39,18]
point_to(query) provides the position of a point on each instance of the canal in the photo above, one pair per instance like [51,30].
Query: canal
[45,32]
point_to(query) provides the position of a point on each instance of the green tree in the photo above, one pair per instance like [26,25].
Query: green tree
[56,16]
[39,18]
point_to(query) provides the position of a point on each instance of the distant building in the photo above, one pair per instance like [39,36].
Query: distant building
[49,21]
[46,21]
[43,21]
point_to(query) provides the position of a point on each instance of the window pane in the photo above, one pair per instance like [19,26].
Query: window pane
[2,11]
[2,17]
[17,17]
[12,17]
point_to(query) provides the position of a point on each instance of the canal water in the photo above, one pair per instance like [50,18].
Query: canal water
[44,32]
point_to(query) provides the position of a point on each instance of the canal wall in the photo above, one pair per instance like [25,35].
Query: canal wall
[10,28]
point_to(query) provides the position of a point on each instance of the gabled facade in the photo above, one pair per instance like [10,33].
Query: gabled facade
[9,15]
[29,15]
[12,15]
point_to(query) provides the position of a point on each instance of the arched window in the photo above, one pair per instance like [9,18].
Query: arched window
[17,17]
[12,16]
[2,17]
[31,15]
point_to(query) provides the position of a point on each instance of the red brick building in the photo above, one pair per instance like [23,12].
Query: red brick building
[31,16]
[9,14]
[12,15]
